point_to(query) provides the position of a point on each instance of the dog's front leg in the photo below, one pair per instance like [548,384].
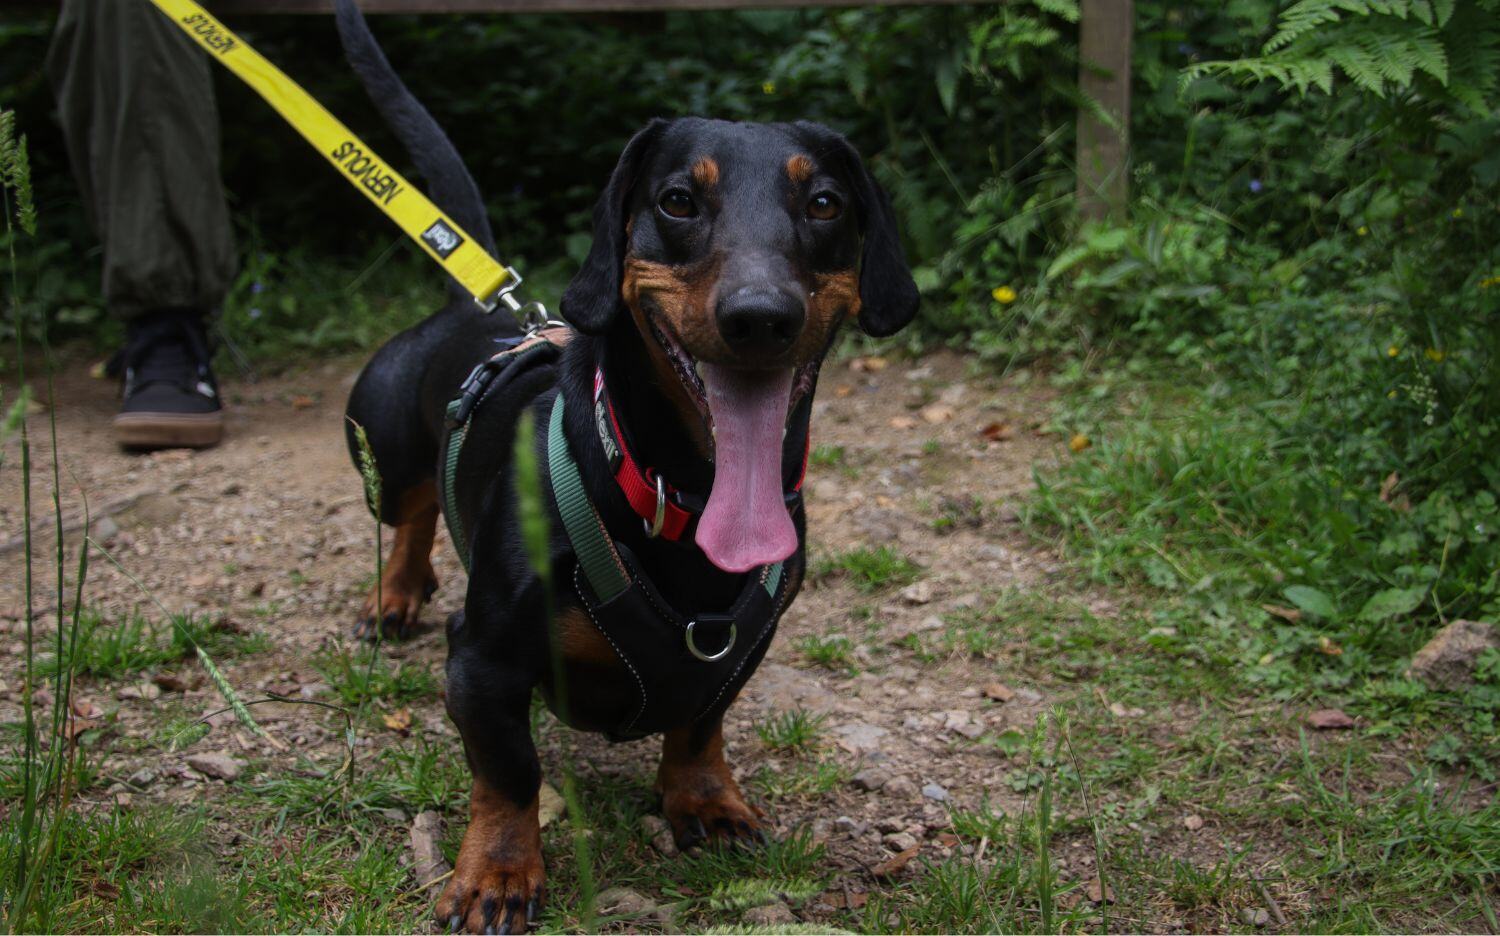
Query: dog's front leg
[497,882]
[698,793]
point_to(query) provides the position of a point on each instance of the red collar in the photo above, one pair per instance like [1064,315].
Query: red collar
[640,485]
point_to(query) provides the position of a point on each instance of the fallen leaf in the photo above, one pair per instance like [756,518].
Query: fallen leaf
[1328,647]
[999,692]
[398,721]
[857,900]
[1099,892]
[868,365]
[1328,719]
[550,804]
[842,390]
[302,401]
[948,840]
[903,422]
[1192,823]
[998,432]
[937,413]
[1079,442]
[1286,614]
[892,867]
[74,727]
[86,709]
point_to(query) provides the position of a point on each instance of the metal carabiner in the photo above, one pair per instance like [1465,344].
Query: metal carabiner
[653,529]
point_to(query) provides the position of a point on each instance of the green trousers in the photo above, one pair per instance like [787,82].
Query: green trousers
[136,103]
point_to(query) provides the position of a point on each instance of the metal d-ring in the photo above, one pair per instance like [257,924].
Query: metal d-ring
[710,657]
[653,529]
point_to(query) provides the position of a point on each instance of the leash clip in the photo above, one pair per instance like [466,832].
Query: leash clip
[653,529]
[531,315]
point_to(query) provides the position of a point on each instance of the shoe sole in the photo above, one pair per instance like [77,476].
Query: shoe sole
[168,430]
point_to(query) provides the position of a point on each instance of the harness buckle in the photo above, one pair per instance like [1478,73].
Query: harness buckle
[710,657]
[653,529]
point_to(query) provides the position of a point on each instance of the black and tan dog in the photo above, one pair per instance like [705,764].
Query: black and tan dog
[725,258]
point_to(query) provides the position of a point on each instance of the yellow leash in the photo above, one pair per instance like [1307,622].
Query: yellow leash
[437,234]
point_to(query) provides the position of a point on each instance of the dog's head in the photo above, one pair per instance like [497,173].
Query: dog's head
[737,250]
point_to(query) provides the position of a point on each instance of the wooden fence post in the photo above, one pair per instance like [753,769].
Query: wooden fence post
[1105,30]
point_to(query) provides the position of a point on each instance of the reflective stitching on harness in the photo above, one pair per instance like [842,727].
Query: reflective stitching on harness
[582,596]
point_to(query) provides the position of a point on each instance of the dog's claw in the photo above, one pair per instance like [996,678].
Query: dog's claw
[454,922]
[533,907]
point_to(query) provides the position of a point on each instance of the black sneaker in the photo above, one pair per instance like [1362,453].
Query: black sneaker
[171,399]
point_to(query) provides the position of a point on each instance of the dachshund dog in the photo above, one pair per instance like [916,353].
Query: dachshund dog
[669,434]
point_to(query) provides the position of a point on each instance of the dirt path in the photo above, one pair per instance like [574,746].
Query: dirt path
[270,530]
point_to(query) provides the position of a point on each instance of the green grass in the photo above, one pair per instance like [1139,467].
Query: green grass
[835,652]
[870,570]
[362,674]
[795,732]
[136,644]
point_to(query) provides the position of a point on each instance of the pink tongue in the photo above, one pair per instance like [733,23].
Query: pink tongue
[746,523]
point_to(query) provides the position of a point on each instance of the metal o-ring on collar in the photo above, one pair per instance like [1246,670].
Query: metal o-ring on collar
[653,529]
[710,657]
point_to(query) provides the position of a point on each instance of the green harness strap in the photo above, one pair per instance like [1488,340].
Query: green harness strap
[591,541]
[592,544]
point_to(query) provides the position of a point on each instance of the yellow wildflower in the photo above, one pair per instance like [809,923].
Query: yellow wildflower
[1392,351]
[1489,281]
[1458,212]
[1391,395]
[1003,295]
[1363,231]
[1079,442]
[768,87]
[1436,355]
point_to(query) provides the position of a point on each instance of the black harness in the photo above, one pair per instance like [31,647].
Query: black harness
[685,663]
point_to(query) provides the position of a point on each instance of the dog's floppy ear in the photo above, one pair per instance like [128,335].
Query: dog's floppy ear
[888,295]
[593,297]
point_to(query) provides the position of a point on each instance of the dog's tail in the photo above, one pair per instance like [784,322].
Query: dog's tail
[448,181]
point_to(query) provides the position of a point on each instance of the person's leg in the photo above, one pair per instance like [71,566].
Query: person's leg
[135,98]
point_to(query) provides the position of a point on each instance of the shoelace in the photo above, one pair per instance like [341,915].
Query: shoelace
[149,356]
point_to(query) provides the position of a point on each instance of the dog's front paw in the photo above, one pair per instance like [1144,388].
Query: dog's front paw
[490,896]
[706,809]
[497,882]
[393,608]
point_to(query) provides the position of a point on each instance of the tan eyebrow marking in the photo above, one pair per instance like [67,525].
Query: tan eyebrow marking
[799,168]
[706,172]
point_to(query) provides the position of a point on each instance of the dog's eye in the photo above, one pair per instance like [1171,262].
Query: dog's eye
[677,203]
[825,206]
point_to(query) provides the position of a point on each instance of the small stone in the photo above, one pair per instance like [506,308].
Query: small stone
[147,691]
[870,779]
[773,914]
[901,787]
[900,841]
[936,792]
[917,593]
[1447,661]
[849,826]
[105,529]
[930,622]
[624,902]
[217,765]
[656,831]
[142,778]
[859,737]
[1255,916]
[1192,823]
[428,865]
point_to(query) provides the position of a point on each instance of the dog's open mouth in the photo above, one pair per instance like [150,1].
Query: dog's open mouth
[746,523]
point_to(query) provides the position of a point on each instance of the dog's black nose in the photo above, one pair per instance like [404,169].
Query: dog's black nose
[760,321]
